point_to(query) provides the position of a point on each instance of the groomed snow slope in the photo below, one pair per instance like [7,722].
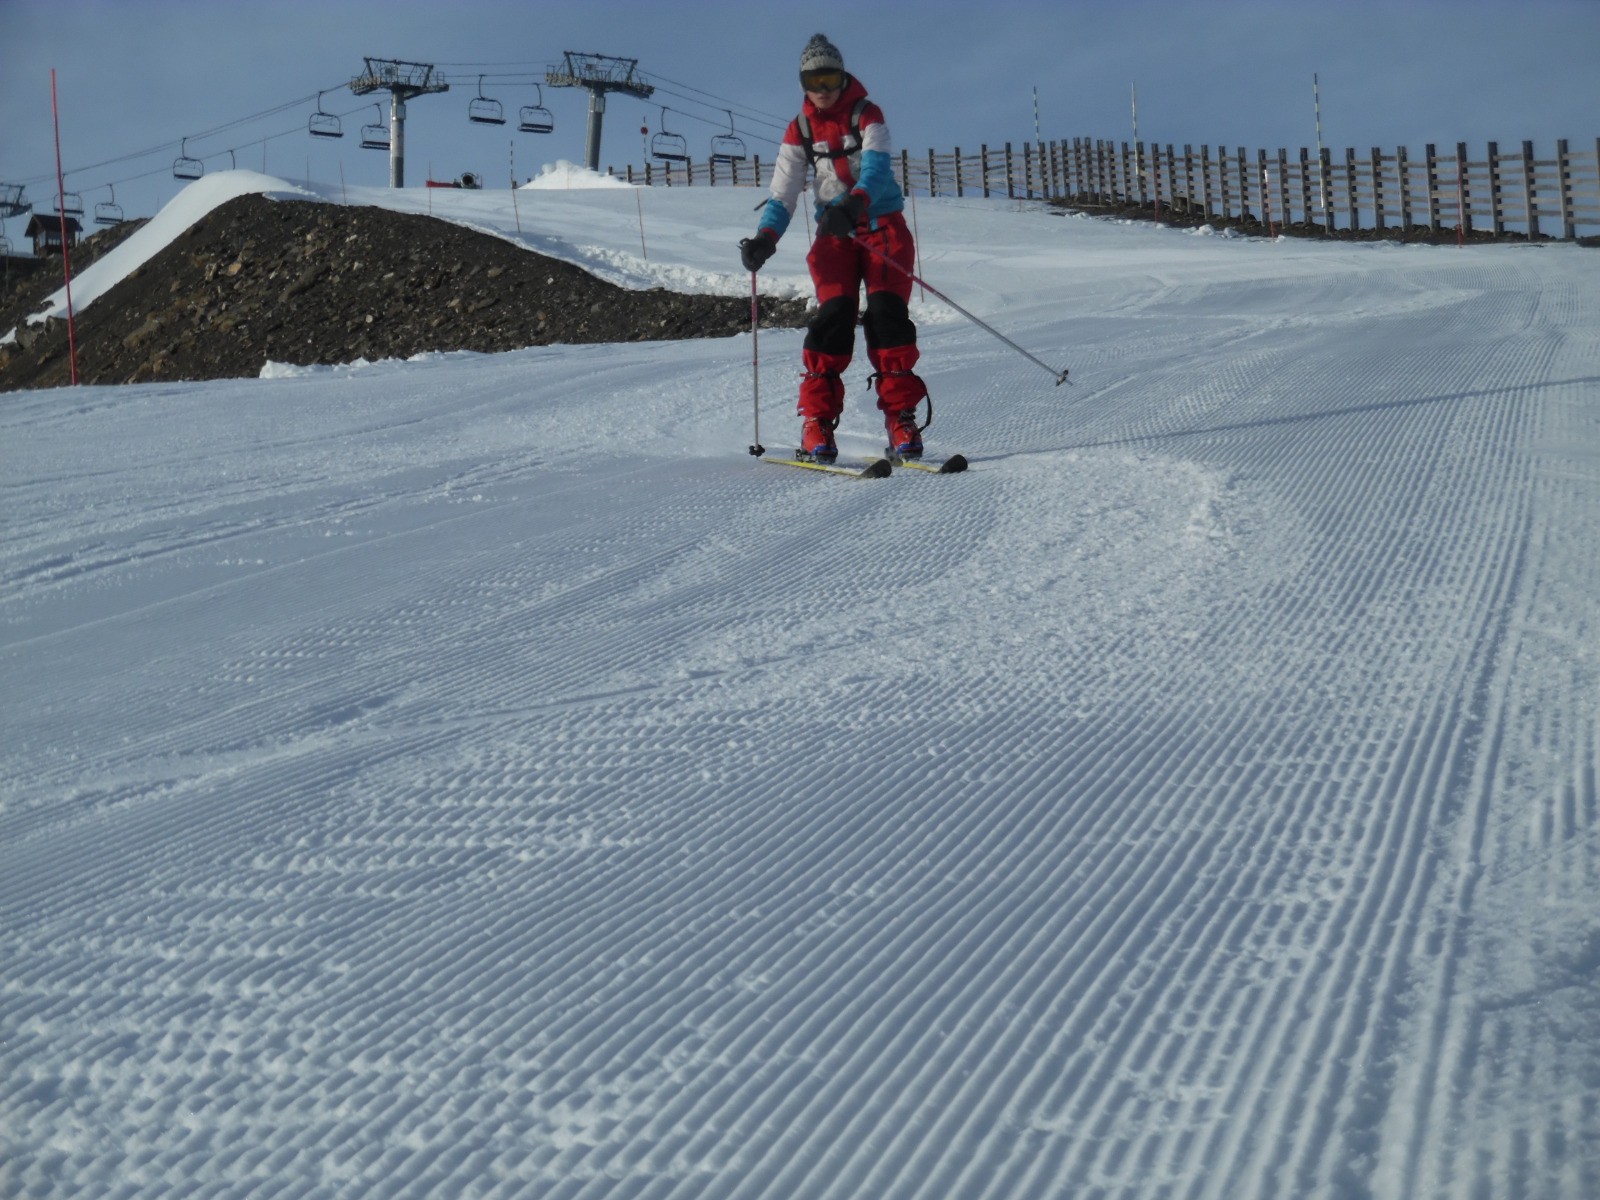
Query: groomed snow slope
[478,777]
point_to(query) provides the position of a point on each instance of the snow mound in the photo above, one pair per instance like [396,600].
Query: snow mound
[187,207]
[563,175]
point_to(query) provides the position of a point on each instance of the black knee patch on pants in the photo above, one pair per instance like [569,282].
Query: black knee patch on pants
[833,329]
[888,323]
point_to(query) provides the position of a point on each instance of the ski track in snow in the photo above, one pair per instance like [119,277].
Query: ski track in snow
[408,793]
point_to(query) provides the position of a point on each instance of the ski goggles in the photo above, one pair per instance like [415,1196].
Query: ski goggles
[828,80]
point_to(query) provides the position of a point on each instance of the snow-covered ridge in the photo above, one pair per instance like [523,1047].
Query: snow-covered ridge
[620,257]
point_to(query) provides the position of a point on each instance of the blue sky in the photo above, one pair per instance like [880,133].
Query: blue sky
[134,79]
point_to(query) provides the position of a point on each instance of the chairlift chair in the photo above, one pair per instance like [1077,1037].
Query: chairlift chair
[669,147]
[12,203]
[536,118]
[70,204]
[375,136]
[484,110]
[109,213]
[727,147]
[324,124]
[184,167]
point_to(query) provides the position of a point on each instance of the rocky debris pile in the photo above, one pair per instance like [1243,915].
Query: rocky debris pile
[299,282]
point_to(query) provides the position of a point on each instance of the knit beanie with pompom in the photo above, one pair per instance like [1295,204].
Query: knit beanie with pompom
[820,55]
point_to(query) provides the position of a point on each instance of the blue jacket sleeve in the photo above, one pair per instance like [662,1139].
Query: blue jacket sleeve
[774,216]
[877,179]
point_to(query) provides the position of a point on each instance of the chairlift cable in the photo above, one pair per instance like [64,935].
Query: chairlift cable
[663,79]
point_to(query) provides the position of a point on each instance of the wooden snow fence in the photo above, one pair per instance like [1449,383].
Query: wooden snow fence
[1554,194]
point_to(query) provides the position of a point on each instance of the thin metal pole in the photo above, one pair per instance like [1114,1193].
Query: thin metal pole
[66,254]
[756,448]
[1059,376]
[1322,171]
[515,208]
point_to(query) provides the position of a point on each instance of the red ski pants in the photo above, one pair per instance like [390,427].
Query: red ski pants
[839,268]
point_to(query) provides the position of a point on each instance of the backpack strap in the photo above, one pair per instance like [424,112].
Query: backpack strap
[809,143]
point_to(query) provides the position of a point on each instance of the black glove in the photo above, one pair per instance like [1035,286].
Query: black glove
[841,219]
[754,251]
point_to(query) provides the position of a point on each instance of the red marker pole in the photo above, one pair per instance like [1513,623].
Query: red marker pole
[66,257]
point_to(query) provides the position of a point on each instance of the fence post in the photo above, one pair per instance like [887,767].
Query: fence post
[905,171]
[1266,193]
[1305,187]
[1205,180]
[1285,216]
[1244,184]
[1325,185]
[1011,183]
[1402,168]
[1433,188]
[1497,214]
[1530,191]
[1463,194]
[1352,188]
[1569,229]
[1377,190]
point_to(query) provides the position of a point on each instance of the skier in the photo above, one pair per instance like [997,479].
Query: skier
[858,205]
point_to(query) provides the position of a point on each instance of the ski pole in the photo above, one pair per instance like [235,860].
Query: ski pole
[756,448]
[1059,376]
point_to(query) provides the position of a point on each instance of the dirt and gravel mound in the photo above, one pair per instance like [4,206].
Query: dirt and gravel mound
[299,282]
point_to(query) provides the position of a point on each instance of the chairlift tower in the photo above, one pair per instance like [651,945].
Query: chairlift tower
[600,73]
[402,80]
